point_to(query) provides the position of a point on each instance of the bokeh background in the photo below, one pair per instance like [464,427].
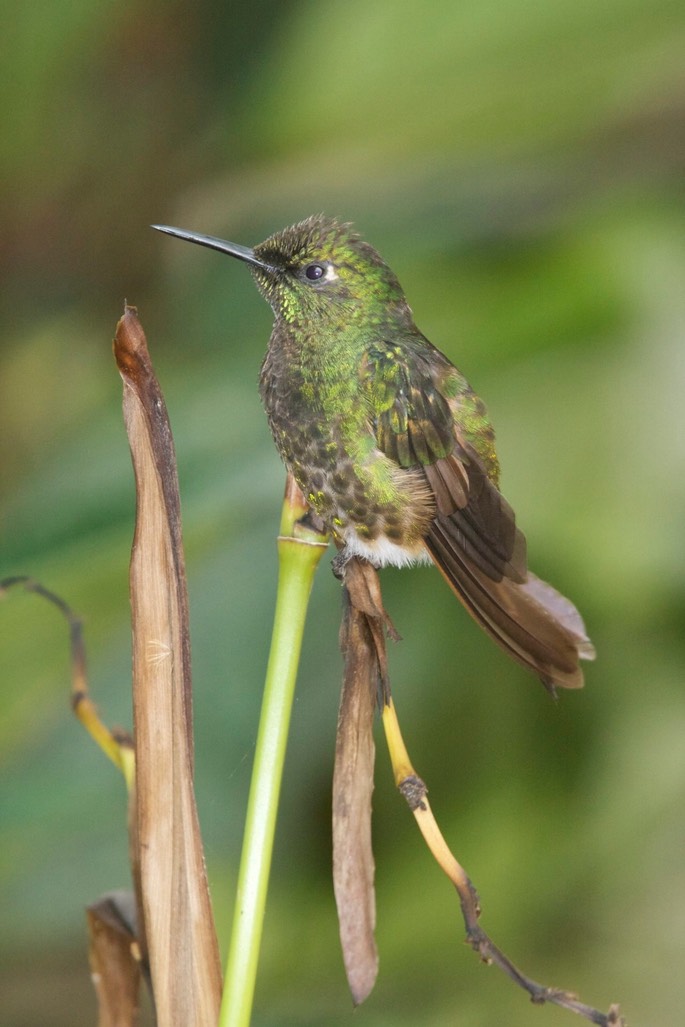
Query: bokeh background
[520,165]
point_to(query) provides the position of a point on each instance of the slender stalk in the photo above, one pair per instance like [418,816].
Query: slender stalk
[299,552]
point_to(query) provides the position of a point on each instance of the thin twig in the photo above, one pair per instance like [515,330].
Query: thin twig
[117,744]
[364,589]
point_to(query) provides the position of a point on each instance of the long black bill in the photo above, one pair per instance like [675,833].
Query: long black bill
[232,248]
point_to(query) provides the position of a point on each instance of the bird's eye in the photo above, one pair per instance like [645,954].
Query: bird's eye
[314,272]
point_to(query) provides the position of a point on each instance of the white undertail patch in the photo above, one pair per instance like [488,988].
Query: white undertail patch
[381,552]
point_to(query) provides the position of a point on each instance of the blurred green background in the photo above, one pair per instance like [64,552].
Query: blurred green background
[520,166]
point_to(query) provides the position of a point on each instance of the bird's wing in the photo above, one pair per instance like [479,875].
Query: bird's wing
[473,538]
[415,426]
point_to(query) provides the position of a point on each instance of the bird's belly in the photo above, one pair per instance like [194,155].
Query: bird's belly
[377,509]
[384,529]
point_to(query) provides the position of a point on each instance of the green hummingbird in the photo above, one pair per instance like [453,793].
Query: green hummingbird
[389,443]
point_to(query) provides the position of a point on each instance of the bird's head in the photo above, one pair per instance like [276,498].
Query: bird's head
[318,268]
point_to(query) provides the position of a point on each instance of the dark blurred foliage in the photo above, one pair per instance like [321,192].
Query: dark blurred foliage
[521,167]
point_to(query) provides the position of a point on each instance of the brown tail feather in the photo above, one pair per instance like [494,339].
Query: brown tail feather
[532,622]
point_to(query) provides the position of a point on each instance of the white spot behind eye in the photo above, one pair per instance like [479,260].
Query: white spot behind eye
[329,273]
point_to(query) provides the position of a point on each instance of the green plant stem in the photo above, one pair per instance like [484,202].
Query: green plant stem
[299,552]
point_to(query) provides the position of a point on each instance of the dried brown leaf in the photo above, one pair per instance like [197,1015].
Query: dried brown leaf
[114,959]
[353,865]
[175,908]
[362,640]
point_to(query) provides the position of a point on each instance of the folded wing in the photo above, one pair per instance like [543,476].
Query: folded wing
[473,538]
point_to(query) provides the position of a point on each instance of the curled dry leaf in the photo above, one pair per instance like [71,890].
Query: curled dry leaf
[174,896]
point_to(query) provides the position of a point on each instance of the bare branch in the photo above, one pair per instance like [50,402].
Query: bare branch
[363,586]
[116,744]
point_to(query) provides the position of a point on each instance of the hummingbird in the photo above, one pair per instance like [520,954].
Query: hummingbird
[390,445]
